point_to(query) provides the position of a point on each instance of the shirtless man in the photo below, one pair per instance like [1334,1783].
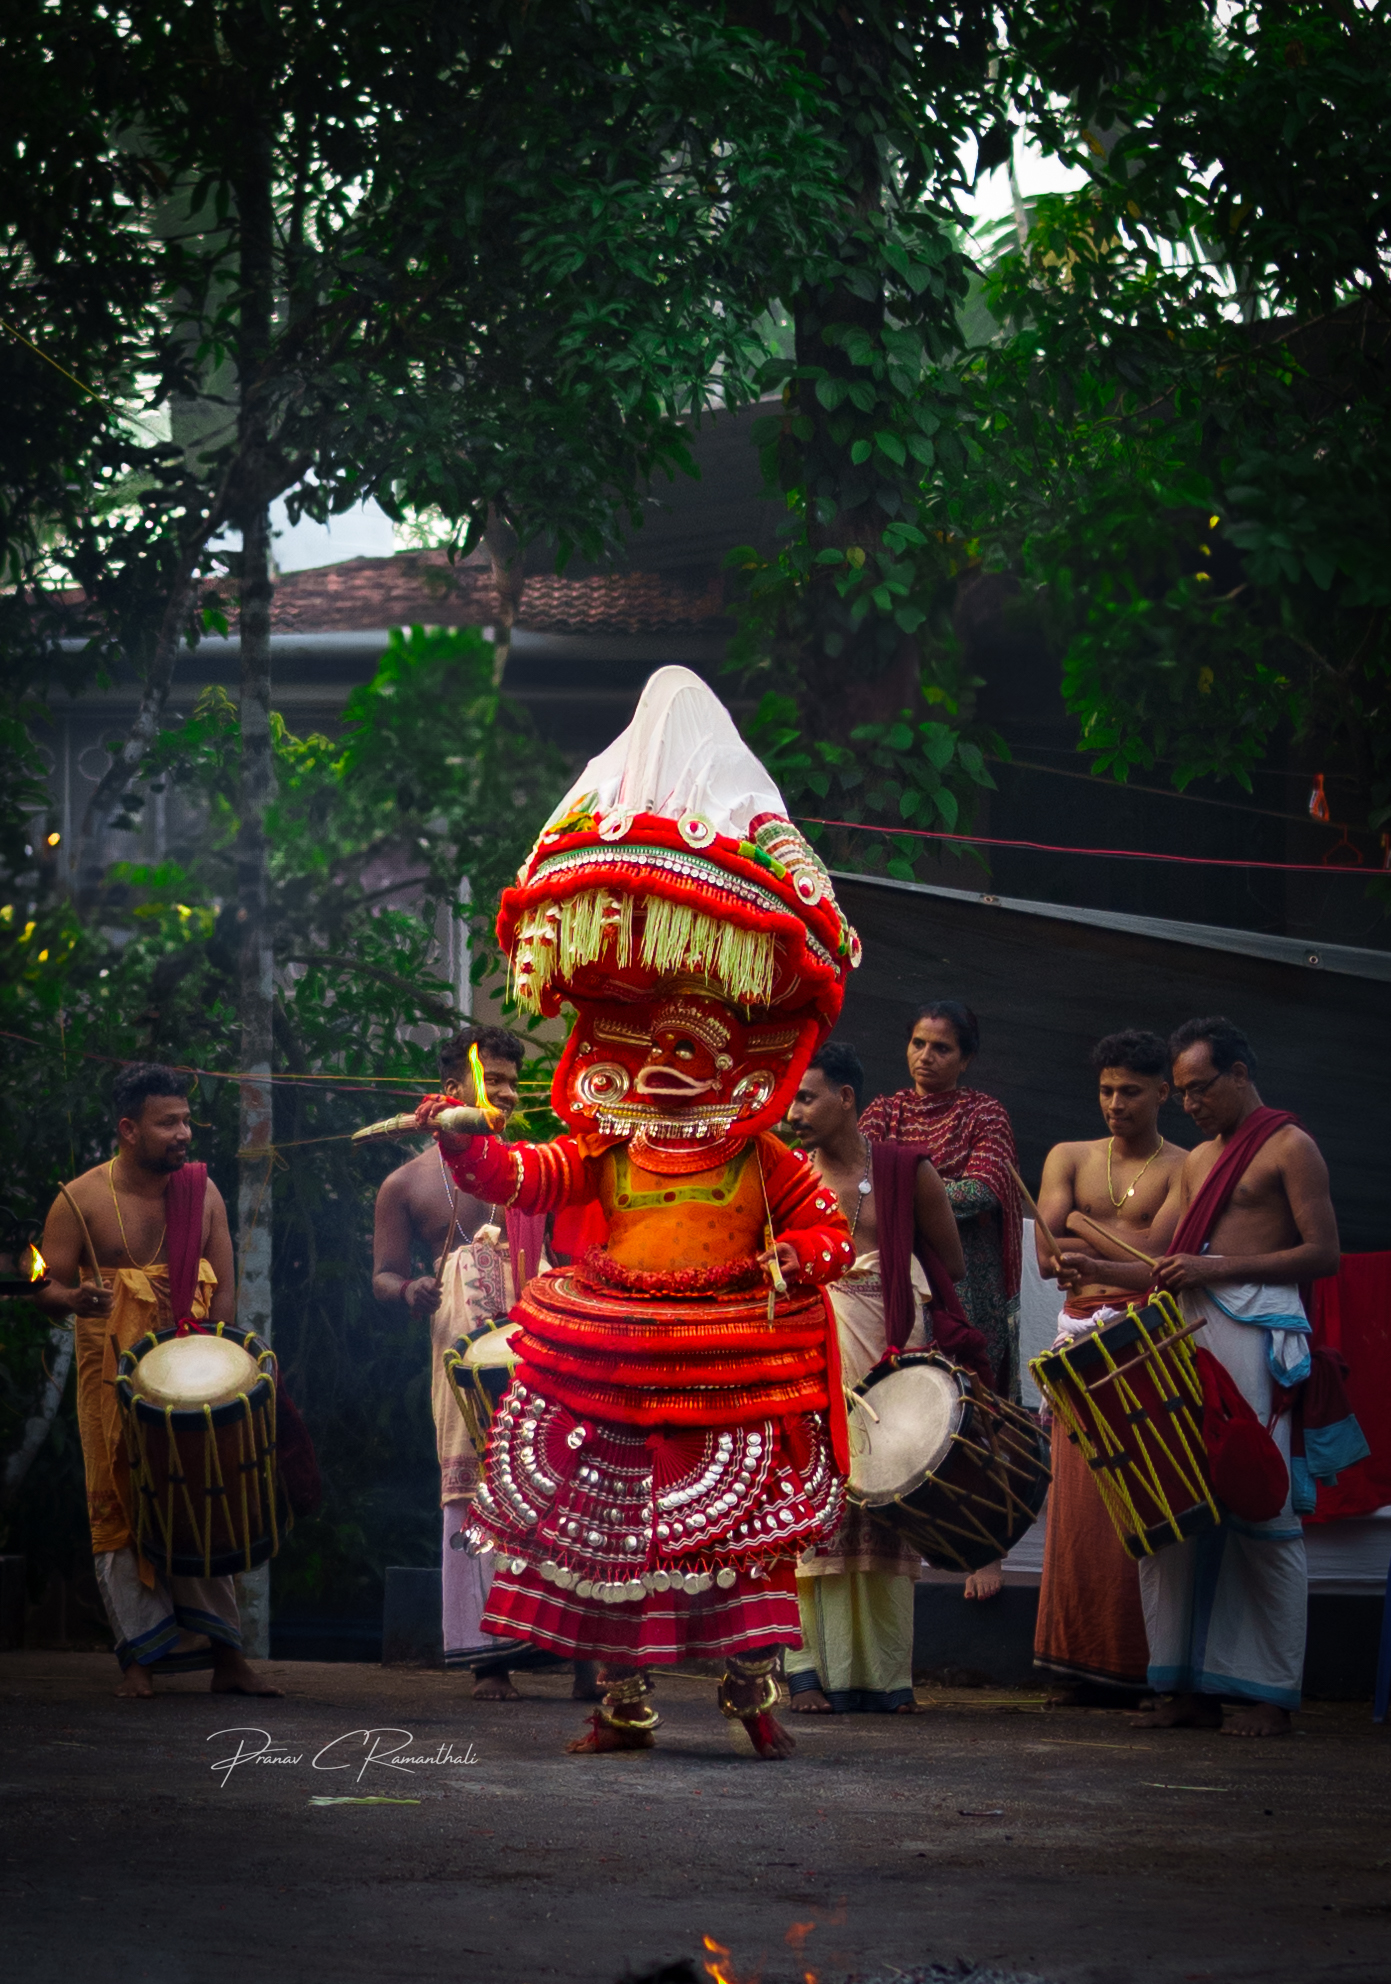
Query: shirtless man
[173,1624]
[855,1590]
[1091,1629]
[422,1216]
[419,1208]
[1121,1181]
[1226,1612]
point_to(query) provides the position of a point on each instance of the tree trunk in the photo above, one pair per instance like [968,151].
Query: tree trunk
[39,1423]
[85,864]
[253,483]
[853,671]
[509,581]
[256,991]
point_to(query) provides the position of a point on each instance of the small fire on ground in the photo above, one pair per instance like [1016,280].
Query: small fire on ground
[720,1969]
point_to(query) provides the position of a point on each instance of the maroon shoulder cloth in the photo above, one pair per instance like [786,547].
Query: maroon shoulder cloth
[183,1210]
[1216,1189]
[895,1174]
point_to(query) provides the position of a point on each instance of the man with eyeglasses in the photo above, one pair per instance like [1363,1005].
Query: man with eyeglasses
[1225,1612]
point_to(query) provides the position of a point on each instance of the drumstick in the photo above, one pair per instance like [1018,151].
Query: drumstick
[91,1250]
[1039,1221]
[1161,1344]
[1148,1259]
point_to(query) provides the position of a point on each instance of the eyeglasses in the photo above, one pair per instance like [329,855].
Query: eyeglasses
[1195,1091]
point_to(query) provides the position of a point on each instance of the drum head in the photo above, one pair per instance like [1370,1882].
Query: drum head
[493,1347]
[919,1405]
[189,1372]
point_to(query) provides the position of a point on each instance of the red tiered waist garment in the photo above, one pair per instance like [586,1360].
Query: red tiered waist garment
[658,1462]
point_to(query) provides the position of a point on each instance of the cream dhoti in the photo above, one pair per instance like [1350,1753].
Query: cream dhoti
[1225,1613]
[855,1589]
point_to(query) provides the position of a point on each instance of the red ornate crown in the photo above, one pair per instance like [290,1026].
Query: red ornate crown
[703,884]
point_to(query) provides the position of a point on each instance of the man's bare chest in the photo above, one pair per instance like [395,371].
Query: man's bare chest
[1125,1197]
[436,1208]
[128,1232]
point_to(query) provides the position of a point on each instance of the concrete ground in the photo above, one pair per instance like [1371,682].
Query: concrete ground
[1057,1843]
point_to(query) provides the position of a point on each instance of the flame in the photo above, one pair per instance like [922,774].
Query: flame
[475,1068]
[798,1934]
[720,1957]
[38,1267]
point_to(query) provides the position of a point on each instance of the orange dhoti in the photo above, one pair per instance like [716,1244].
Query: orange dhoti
[1091,1627]
[158,1622]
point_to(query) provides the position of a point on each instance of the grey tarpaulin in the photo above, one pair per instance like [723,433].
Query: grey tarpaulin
[1047,981]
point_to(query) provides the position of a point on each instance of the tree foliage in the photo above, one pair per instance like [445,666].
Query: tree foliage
[368,835]
[1180,436]
[847,631]
[479,259]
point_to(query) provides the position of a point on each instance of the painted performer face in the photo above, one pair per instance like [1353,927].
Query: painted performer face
[679,1069]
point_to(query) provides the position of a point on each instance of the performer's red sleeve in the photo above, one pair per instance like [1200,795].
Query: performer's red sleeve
[531,1177]
[805,1212]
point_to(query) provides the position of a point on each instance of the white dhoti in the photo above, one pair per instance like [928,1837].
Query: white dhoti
[1226,1612]
[171,1624]
[476,1288]
[855,1589]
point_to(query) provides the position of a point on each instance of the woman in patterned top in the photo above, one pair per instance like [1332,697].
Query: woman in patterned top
[968,1137]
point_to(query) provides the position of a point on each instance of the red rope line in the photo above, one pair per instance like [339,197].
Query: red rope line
[1101,853]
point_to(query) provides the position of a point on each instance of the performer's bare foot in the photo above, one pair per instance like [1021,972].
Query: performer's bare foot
[811,1701]
[136,1685]
[494,1688]
[586,1688]
[1259,1719]
[233,1675]
[623,1722]
[738,1695]
[987,1582]
[609,1736]
[1180,1712]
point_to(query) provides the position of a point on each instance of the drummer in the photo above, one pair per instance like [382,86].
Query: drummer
[421,1215]
[139,1210]
[1100,1193]
[855,1589]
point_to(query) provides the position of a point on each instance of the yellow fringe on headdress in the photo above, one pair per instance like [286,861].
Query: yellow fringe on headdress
[676,937]
[557,939]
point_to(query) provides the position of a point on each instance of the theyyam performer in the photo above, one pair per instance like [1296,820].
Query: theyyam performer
[675,1431]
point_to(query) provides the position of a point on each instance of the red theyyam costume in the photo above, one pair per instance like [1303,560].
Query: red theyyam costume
[674,1433]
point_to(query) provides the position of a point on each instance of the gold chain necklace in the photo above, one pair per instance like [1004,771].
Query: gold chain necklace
[1117,1203]
[111,1181]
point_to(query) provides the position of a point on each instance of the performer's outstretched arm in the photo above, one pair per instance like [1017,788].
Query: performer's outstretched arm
[531,1177]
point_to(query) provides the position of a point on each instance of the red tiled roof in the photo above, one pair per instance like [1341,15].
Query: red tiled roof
[422,588]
